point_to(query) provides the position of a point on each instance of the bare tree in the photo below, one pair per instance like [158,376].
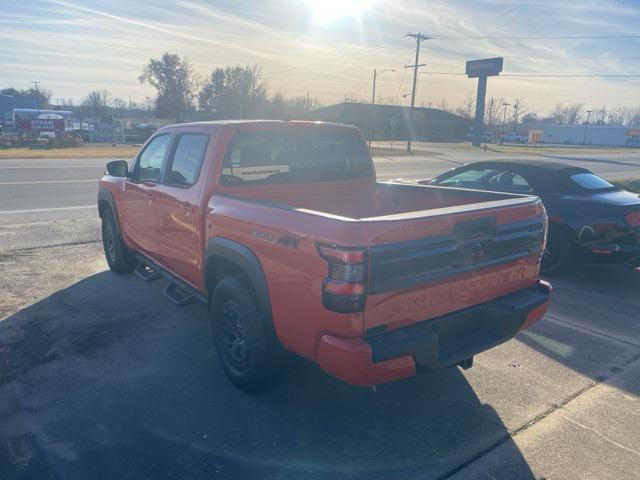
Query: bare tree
[98,102]
[468,107]
[492,111]
[42,94]
[567,114]
[234,92]
[175,82]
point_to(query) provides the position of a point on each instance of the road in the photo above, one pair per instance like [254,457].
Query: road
[52,201]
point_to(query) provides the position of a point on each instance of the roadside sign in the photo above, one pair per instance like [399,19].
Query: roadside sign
[481,69]
[486,67]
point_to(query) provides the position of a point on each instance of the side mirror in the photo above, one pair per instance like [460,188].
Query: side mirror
[118,168]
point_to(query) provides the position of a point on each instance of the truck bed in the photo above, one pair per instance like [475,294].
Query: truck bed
[375,201]
[432,250]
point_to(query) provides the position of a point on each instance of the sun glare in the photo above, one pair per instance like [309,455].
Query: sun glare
[326,11]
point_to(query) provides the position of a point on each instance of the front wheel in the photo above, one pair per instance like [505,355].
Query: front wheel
[119,257]
[559,252]
[248,350]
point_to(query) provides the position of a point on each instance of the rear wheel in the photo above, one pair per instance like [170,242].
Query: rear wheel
[559,252]
[248,350]
[119,257]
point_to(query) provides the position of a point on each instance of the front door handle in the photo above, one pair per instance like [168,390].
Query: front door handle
[189,207]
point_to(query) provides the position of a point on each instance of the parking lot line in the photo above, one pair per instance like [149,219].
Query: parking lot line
[40,182]
[52,209]
[45,167]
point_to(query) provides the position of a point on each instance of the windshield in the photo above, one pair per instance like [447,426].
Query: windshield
[590,181]
[295,155]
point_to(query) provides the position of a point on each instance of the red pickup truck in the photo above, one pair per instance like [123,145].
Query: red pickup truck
[283,231]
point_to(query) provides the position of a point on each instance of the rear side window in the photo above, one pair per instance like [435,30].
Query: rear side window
[292,155]
[151,159]
[472,178]
[590,181]
[507,181]
[187,159]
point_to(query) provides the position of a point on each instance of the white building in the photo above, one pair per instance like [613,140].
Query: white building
[604,135]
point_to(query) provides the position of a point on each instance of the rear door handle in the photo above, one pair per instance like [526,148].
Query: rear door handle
[188,206]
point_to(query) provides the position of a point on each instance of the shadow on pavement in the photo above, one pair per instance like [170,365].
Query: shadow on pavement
[105,379]
[592,325]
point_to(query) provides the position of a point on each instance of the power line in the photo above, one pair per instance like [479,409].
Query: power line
[535,37]
[528,57]
[542,75]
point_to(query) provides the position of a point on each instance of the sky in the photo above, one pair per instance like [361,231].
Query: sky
[329,48]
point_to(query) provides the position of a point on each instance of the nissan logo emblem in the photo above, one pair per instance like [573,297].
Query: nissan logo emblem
[476,252]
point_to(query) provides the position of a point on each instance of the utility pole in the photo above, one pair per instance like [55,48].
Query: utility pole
[373,96]
[504,115]
[515,115]
[419,38]
[37,96]
[586,125]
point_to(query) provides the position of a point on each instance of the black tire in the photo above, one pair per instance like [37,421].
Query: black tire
[248,349]
[119,257]
[559,252]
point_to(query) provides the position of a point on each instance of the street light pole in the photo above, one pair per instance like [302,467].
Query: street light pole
[373,96]
[586,125]
[375,76]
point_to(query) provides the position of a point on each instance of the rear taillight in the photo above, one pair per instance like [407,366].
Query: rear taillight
[345,289]
[633,219]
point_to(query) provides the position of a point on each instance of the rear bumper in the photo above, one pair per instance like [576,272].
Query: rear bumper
[433,344]
[613,255]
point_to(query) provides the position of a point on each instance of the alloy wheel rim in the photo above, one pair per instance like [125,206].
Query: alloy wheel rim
[551,258]
[111,241]
[234,336]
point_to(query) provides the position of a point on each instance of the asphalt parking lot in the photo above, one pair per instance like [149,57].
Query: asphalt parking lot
[102,377]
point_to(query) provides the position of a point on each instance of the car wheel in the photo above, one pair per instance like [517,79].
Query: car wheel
[119,257]
[247,348]
[559,252]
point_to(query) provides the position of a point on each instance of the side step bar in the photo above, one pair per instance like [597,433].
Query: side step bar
[177,291]
[147,272]
[178,295]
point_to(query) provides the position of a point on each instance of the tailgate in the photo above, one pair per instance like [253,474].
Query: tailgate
[451,260]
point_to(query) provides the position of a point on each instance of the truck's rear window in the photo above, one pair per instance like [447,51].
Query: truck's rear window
[294,155]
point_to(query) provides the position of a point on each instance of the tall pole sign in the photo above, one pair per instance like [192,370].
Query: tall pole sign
[481,69]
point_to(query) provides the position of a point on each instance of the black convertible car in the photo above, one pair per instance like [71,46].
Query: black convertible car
[590,221]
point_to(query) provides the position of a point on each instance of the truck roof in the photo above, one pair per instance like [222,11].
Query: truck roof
[261,122]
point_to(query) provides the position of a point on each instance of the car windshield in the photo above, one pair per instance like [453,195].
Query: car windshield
[589,181]
[295,155]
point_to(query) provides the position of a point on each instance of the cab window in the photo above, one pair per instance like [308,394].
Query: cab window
[295,155]
[151,159]
[187,159]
